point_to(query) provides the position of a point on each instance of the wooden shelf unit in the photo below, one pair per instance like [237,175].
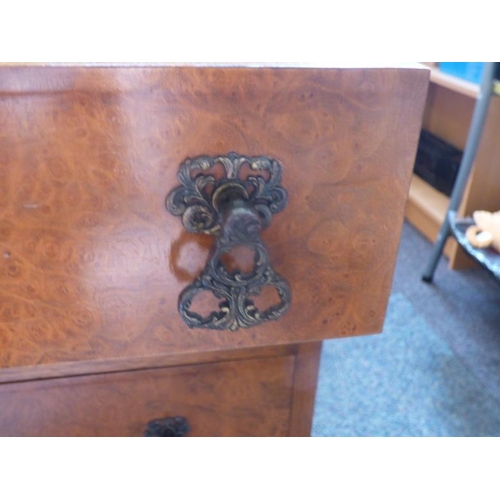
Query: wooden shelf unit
[448,114]
[458,85]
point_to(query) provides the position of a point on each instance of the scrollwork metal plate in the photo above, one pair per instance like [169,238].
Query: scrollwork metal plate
[235,209]
[195,200]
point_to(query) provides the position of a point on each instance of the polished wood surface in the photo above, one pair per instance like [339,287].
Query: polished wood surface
[249,397]
[132,363]
[91,263]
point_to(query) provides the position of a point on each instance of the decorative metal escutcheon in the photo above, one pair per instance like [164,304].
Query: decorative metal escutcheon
[217,198]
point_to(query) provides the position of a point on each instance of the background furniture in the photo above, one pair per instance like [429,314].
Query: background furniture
[92,263]
[453,226]
[448,114]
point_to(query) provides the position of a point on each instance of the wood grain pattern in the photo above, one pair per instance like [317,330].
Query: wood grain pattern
[133,363]
[234,398]
[91,263]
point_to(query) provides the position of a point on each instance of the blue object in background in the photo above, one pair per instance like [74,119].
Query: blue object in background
[470,71]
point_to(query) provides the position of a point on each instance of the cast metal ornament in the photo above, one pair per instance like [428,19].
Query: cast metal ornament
[234,209]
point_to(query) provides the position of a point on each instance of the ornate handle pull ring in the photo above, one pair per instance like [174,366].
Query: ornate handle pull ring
[234,210]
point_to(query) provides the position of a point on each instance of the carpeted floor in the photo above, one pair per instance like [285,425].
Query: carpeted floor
[435,370]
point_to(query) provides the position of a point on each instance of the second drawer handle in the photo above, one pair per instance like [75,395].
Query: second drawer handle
[167,427]
[235,210]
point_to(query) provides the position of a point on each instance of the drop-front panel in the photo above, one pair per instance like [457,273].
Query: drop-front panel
[92,263]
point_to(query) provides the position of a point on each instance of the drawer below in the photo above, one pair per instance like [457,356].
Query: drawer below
[235,398]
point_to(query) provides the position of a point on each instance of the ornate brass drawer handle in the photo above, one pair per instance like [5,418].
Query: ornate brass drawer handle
[234,209]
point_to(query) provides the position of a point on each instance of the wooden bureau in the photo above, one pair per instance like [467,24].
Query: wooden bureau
[92,263]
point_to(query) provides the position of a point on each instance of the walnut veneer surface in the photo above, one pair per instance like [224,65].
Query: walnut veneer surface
[92,264]
[234,398]
[250,392]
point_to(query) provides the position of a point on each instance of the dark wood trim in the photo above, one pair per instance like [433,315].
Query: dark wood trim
[304,388]
[58,370]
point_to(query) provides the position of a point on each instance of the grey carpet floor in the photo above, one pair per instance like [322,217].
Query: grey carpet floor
[435,369]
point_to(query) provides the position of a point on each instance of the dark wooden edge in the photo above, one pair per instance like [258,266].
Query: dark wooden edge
[41,78]
[73,369]
[304,388]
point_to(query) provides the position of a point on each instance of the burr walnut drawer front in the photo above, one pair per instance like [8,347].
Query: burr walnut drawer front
[235,398]
[95,263]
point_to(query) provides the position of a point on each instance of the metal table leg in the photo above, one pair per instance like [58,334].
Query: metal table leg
[473,138]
